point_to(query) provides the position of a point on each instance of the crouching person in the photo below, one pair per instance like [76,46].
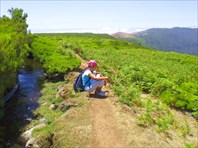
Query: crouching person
[92,80]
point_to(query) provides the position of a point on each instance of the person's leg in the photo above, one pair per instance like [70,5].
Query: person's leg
[99,88]
[95,85]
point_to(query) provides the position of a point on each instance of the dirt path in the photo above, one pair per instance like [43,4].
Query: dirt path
[105,128]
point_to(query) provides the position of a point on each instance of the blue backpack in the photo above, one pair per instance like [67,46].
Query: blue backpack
[78,84]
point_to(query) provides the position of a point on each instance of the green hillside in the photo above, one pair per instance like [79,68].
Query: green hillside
[133,69]
[168,78]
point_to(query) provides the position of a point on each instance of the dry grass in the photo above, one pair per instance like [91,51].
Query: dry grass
[74,128]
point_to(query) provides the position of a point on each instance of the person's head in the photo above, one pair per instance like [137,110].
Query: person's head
[92,64]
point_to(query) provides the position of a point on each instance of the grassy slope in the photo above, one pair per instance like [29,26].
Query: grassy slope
[74,127]
[75,123]
[169,76]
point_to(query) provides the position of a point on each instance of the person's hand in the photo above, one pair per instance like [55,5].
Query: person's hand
[106,80]
[99,73]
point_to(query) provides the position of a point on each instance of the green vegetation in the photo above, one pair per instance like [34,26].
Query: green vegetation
[171,77]
[54,57]
[13,45]
[13,48]
[16,44]
[63,128]
[160,114]
[133,69]
[49,93]
[44,134]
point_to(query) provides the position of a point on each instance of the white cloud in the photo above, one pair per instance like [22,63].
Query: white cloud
[100,30]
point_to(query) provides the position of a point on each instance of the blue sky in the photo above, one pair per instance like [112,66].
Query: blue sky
[104,16]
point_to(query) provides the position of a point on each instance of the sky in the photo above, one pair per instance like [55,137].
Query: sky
[104,16]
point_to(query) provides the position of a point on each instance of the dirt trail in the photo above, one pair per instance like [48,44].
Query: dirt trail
[105,128]
[106,131]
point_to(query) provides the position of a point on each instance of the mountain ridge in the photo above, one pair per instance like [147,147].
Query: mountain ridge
[177,39]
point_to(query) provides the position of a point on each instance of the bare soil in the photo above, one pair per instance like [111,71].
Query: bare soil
[115,125]
[106,132]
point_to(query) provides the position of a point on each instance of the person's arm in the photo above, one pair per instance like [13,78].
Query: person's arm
[97,78]
[96,72]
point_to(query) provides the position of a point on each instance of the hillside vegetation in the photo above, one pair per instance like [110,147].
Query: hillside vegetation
[54,58]
[168,80]
[134,69]
[182,40]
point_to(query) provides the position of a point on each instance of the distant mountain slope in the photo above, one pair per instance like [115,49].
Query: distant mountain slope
[183,40]
[122,35]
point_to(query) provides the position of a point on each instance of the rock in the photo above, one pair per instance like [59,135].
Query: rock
[43,120]
[67,104]
[28,120]
[28,134]
[63,91]
[44,104]
[71,76]
[59,87]
[53,106]
[31,143]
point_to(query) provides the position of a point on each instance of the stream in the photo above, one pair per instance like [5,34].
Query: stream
[19,109]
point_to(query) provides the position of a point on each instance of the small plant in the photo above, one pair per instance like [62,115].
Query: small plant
[145,120]
[163,123]
[157,113]
[184,129]
[189,145]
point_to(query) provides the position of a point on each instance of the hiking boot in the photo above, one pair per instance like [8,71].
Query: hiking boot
[100,93]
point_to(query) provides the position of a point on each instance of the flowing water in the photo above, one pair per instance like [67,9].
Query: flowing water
[19,109]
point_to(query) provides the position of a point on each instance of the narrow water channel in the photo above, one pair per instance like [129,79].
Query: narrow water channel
[18,110]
